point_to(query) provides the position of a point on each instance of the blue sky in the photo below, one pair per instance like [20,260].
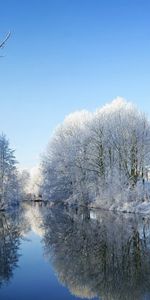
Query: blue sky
[67,55]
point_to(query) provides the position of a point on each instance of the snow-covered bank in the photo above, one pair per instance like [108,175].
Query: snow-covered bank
[122,205]
[130,200]
[126,207]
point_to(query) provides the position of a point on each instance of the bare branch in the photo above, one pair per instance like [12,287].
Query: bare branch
[5,40]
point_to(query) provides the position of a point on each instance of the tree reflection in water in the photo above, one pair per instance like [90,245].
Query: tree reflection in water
[99,254]
[11,227]
[94,253]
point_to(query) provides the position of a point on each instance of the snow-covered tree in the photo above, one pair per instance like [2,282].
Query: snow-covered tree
[9,187]
[62,166]
[108,150]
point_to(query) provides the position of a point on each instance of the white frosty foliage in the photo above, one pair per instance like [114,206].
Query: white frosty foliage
[10,188]
[98,156]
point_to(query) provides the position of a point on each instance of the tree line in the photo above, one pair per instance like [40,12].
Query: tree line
[91,154]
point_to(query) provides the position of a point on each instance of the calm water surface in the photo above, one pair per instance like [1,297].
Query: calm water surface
[62,253]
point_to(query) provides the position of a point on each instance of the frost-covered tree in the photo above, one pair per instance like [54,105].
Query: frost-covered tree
[63,166]
[23,182]
[120,141]
[90,154]
[9,187]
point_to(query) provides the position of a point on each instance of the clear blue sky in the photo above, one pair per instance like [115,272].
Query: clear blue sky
[67,55]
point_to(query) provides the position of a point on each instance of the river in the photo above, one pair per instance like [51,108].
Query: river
[66,253]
